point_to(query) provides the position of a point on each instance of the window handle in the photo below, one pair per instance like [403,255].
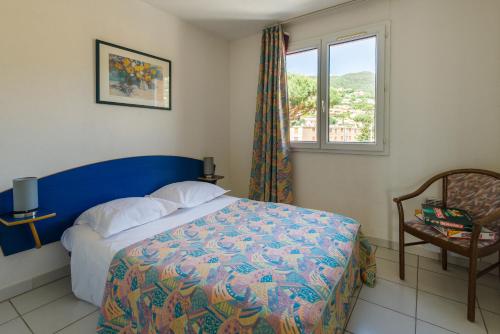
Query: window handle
[323,106]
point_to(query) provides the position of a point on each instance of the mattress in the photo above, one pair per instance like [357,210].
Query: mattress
[233,266]
[91,255]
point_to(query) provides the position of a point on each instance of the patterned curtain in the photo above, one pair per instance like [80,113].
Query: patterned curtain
[271,176]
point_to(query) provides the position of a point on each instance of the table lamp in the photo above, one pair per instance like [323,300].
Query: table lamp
[25,192]
[208,166]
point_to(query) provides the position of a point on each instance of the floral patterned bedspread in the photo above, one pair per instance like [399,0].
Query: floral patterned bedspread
[252,267]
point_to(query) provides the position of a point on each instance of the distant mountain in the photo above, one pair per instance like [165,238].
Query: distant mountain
[361,81]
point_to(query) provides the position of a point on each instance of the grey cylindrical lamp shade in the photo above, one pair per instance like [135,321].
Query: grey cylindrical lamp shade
[25,191]
[208,166]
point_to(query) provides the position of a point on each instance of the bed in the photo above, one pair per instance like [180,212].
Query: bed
[227,266]
[91,255]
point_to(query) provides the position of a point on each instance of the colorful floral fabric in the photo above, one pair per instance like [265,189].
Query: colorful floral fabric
[252,267]
[369,264]
[271,174]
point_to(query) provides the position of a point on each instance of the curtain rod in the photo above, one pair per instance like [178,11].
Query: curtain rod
[316,12]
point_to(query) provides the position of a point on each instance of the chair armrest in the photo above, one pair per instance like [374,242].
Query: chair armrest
[406,197]
[413,194]
[489,218]
[420,190]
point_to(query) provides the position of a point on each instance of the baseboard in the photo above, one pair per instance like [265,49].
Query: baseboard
[33,283]
[425,251]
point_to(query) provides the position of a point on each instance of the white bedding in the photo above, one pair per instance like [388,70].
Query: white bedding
[91,254]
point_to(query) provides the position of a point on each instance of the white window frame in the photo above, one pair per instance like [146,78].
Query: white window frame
[301,47]
[381,145]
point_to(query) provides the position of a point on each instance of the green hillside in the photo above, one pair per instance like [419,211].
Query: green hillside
[302,92]
[361,81]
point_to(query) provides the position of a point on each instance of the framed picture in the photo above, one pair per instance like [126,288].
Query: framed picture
[131,78]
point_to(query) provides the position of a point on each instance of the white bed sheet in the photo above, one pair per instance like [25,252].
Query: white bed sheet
[91,255]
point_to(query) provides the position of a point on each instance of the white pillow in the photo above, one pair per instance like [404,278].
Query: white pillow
[121,214]
[188,194]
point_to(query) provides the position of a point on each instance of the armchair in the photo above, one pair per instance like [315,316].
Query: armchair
[474,190]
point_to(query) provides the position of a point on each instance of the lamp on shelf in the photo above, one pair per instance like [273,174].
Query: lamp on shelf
[209,171]
[25,192]
[208,166]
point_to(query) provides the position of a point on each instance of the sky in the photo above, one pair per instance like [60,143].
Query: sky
[350,57]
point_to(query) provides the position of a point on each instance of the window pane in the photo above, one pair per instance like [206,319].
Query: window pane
[352,80]
[302,72]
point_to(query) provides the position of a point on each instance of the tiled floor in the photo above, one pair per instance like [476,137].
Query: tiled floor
[429,301]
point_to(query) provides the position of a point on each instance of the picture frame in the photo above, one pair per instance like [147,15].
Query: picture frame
[132,78]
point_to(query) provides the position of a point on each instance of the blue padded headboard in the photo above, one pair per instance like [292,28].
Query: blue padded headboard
[71,192]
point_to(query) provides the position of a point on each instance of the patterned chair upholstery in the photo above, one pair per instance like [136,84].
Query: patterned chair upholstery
[478,194]
[474,190]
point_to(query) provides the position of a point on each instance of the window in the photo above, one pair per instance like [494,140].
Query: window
[303,97]
[336,91]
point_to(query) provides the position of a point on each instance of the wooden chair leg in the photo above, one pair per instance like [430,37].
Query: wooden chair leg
[444,258]
[471,297]
[401,253]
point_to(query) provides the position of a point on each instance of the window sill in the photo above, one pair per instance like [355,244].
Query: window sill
[385,152]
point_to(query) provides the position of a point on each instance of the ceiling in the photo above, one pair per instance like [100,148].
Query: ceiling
[233,19]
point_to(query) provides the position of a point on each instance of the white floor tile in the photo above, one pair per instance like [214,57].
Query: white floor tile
[489,280]
[393,255]
[16,326]
[442,285]
[489,260]
[389,270]
[391,295]
[456,271]
[374,319]
[426,328]
[488,299]
[448,314]
[30,300]
[435,266]
[492,321]
[7,312]
[86,325]
[58,314]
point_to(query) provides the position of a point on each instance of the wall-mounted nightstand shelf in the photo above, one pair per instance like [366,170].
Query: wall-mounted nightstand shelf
[9,221]
[211,179]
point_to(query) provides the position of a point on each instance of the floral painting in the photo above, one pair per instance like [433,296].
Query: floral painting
[132,78]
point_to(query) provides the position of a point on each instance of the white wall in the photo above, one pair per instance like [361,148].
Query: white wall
[444,106]
[445,102]
[48,118]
